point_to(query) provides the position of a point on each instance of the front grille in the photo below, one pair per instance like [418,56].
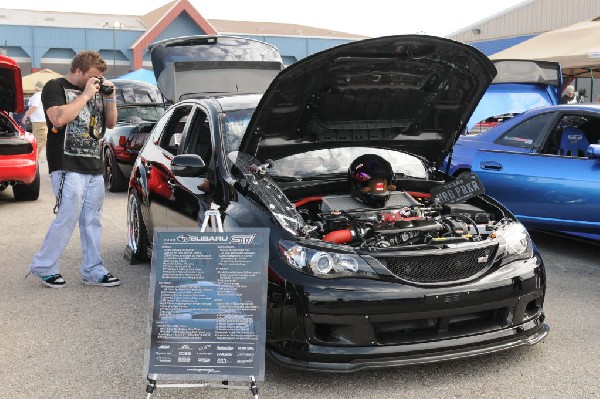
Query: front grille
[440,267]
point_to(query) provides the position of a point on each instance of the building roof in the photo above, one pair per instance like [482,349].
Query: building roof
[277,29]
[60,19]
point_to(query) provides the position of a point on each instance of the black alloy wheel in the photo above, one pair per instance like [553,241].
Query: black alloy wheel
[137,241]
[113,179]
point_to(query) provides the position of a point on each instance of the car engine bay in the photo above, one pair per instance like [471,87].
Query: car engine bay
[407,220]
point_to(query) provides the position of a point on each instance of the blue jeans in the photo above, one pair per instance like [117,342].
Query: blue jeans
[82,198]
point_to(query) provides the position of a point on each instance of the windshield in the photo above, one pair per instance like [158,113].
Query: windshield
[337,160]
[233,125]
[137,114]
[317,162]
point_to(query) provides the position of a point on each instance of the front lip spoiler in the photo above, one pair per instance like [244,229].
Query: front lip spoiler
[460,353]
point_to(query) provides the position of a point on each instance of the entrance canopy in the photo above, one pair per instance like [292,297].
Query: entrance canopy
[144,75]
[43,76]
[575,47]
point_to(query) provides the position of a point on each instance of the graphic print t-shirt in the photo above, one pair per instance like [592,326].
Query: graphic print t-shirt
[73,148]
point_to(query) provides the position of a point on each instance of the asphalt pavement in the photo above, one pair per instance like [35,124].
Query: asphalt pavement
[89,342]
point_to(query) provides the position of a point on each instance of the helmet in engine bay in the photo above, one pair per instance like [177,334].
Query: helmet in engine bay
[371,178]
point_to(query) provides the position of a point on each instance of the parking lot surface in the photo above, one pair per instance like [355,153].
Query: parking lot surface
[89,342]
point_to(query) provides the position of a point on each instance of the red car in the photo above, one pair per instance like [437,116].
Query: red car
[18,149]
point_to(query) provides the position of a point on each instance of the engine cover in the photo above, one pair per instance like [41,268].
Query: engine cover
[398,199]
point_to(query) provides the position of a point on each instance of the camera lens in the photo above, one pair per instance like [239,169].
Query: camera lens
[106,90]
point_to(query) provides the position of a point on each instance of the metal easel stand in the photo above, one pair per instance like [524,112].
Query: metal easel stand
[215,221]
[152,385]
[217,226]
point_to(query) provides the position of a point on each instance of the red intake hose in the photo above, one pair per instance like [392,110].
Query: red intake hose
[416,194]
[339,236]
[306,200]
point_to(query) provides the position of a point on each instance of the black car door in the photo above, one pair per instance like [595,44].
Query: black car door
[156,159]
[192,195]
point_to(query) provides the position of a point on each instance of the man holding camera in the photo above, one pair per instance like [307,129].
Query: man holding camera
[78,108]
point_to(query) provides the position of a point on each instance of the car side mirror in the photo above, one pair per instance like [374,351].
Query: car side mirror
[593,151]
[188,165]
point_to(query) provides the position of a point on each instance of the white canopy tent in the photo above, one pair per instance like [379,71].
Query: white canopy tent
[575,47]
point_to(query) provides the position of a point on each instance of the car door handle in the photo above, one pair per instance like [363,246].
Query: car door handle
[171,184]
[147,166]
[490,165]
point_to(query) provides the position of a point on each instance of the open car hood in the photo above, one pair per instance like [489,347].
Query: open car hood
[413,93]
[201,66]
[11,86]
[520,85]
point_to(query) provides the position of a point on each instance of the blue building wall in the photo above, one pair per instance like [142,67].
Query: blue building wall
[298,47]
[183,25]
[490,47]
[39,42]
[35,42]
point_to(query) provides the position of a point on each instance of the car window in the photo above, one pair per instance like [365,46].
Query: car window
[233,125]
[529,134]
[337,160]
[171,136]
[198,139]
[572,135]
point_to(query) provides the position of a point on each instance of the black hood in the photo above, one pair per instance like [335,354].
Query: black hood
[413,93]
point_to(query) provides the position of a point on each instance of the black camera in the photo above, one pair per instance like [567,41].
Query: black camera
[104,89]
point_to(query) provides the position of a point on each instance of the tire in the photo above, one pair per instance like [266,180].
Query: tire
[28,192]
[113,177]
[137,238]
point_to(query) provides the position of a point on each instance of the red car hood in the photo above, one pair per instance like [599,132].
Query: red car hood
[11,86]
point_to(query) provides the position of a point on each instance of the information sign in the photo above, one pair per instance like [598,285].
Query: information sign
[208,298]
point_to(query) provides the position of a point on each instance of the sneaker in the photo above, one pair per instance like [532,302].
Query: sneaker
[52,280]
[108,280]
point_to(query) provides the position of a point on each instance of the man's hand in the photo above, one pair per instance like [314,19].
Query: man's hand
[109,84]
[91,88]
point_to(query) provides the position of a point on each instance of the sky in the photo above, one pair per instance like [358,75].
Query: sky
[369,18]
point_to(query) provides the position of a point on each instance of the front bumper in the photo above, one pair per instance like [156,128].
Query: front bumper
[348,326]
[528,334]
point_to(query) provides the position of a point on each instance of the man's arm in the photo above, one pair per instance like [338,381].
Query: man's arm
[60,115]
[30,111]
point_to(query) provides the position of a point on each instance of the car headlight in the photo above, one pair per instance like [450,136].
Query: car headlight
[324,263]
[514,242]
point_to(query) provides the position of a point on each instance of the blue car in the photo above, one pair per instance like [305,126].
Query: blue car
[543,164]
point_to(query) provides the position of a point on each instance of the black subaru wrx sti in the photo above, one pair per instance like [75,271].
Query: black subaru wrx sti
[376,258]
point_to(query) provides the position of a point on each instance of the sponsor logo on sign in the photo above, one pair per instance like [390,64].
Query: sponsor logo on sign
[193,238]
[243,238]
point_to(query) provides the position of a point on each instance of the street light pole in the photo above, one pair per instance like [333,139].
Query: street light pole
[115,25]
[114,49]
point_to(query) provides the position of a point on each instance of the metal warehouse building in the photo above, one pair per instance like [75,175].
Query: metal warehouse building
[49,39]
[526,20]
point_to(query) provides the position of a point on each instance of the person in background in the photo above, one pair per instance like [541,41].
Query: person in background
[38,118]
[569,96]
[77,113]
